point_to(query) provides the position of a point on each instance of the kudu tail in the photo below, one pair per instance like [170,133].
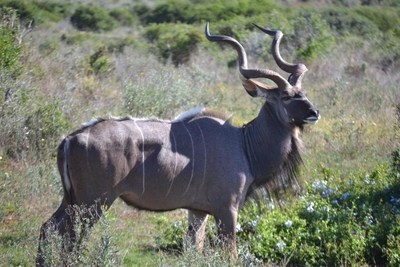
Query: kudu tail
[62,161]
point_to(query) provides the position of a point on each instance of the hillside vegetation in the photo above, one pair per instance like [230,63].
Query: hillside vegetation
[65,62]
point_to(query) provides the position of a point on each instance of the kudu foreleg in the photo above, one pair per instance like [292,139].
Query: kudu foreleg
[197,227]
[226,224]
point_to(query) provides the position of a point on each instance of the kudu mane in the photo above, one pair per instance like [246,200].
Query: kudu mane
[285,177]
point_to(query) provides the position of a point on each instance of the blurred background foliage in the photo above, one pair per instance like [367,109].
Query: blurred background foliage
[64,62]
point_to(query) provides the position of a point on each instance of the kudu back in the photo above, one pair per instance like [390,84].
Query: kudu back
[198,161]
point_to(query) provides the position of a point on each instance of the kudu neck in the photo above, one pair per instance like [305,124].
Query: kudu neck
[268,141]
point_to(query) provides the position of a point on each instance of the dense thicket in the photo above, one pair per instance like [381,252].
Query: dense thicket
[234,18]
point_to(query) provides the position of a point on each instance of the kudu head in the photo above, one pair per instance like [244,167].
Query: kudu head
[288,96]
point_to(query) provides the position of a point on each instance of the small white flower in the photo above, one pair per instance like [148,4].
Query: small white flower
[288,223]
[310,207]
[238,227]
[280,245]
[254,223]
[370,219]
[271,205]
[178,224]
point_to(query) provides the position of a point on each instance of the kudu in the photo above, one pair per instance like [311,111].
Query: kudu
[198,161]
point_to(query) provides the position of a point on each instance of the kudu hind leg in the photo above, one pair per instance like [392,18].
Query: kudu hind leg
[197,227]
[60,222]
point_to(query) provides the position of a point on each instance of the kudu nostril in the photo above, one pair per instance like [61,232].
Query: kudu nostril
[314,112]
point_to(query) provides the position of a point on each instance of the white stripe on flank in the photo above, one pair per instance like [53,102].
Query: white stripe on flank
[191,140]
[87,148]
[143,167]
[176,162]
[67,180]
[205,156]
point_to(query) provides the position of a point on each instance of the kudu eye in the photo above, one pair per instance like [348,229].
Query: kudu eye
[286,98]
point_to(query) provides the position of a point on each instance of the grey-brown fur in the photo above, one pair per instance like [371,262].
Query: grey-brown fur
[199,161]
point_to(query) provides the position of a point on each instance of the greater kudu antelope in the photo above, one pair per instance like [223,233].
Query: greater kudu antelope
[198,161]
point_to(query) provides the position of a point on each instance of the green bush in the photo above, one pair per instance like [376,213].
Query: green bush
[171,11]
[347,20]
[10,48]
[99,62]
[58,11]
[336,222]
[123,16]
[32,124]
[192,11]
[386,50]
[396,153]
[93,18]
[384,18]
[312,37]
[173,42]
[44,127]
[40,12]
[26,10]
[76,38]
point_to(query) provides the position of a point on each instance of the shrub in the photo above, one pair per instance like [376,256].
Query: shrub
[94,248]
[40,12]
[311,37]
[384,18]
[123,16]
[32,124]
[10,48]
[396,153]
[99,62]
[191,11]
[76,38]
[346,20]
[167,12]
[93,18]
[44,127]
[386,50]
[173,41]
[336,222]
[58,11]
[26,10]
[26,126]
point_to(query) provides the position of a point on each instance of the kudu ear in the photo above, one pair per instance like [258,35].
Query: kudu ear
[255,88]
